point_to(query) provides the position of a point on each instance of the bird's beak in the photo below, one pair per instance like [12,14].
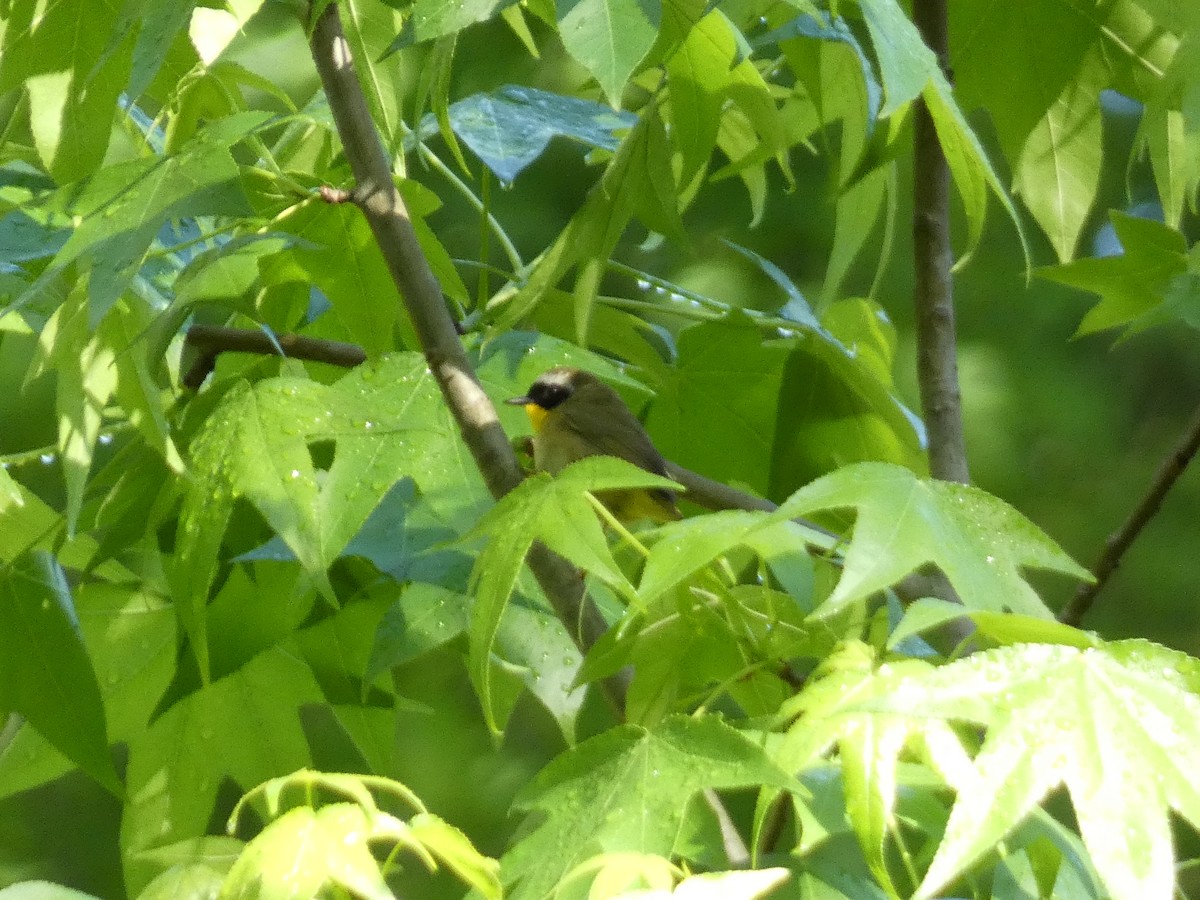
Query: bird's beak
[518,401]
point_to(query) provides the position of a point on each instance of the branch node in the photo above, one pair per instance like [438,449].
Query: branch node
[330,194]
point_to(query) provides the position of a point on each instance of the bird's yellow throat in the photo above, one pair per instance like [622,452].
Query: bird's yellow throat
[537,415]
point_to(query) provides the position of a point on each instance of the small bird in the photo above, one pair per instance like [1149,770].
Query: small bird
[575,415]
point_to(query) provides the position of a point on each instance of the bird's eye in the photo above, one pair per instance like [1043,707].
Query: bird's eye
[548,396]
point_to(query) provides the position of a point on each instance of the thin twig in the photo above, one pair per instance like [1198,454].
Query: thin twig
[1121,539]
[376,194]
[731,839]
[933,258]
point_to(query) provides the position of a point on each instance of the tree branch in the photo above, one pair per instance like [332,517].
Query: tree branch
[933,258]
[210,340]
[376,194]
[1122,539]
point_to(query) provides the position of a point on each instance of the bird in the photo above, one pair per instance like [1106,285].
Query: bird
[575,415]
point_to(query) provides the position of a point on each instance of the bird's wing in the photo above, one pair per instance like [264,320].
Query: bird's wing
[629,442]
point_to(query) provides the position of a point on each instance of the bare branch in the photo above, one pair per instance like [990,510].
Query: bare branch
[211,340]
[1122,539]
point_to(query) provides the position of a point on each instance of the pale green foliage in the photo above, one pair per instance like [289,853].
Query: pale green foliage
[627,790]
[1114,724]
[904,522]
[310,848]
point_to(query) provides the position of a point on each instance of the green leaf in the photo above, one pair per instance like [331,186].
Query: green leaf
[555,512]
[710,66]
[86,379]
[532,638]
[191,880]
[908,69]
[1169,127]
[370,30]
[972,171]
[838,78]
[614,332]
[609,38]
[158,25]
[1058,173]
[1171,138]
[626,790]
[121,208]
[10,492]
[731,885]
[774,414]
[725,367]
[174,775]
[985,39]
[511,127]
[639,181]
[131,636]
[435,18]
[340,257]
[42,890]
[212,30]
[423,618]
[859,208]
[307,851]
[928,613]
[869,743]
[1132,284]
[386,421]
[45,673]
[685,547]
[72,75]
[452,847]
[865,327]
[698,79]
[136,390]
[906,65]
[904,522]
[1116,725]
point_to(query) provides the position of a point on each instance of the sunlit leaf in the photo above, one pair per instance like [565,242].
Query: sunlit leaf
[87,379]
[1115,725]
[306,851]
[904,522]
[556,512]
[869,744]
[73,77]
[627,790]
[609,37]
[1058,173]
